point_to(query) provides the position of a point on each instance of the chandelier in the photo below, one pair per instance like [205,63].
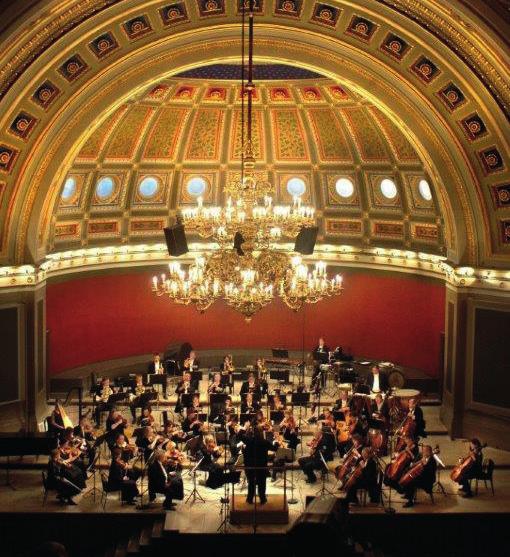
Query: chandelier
[248,269]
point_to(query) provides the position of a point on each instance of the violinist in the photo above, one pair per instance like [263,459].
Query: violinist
[165,478]
[290,430]
[75,448]
[73,469]
[85,432]
[216,387]
[365,477]
[146,419]
[422,475]
[127,450]
[210,454]
[57,480]
[149,441]
[103,405]
[319,446]
[471,468]
[328,420]
[191,425]
[235,433]
[135,397]
[278,403]
[262,422]
[173,433]
[250,386]
[249,404]
[377,381]
[122,477]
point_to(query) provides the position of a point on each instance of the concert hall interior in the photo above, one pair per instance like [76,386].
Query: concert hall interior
[254,277]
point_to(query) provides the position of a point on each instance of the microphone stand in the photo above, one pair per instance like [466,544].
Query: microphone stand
[225,500]
[143,506]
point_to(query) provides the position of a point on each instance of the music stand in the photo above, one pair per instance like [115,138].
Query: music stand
[438,485]
[92,467]
[281,375]
[117,397]
[194,495]
[276,416]
[325,470]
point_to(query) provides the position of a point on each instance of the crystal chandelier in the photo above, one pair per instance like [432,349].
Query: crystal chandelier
[248,268]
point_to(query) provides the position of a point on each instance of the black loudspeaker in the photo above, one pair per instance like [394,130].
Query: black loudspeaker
[305,240]
[176,240]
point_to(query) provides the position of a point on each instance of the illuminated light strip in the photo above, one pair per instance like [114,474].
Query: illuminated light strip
[84,259]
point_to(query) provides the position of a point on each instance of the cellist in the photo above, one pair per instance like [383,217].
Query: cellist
[472,469]
[400,461]
[366,479]
[426,476]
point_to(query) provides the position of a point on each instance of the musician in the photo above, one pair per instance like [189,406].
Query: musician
[85,432]
[475,470]
[56,480]
[155,366]
[377,381]
[122,477]
[261,421]
[184,387]
[425,480]
[227,372]
[164,478]
[320,445]
[146,419]
[249,404]
[74,448]
[192,362]
[149,441]
[250,386]
[278,403]
[135,398]
[217,477]
[408,454]
[104,394]
[261,370]
[56,421]
[173,433]
[379,408]
[343,403]
[255,452]
[368,478]
[115,425]
[320,356]
[416,413]
[290,430]
[191,425]
[235,433]
[216,387]
[72,470]
[128,451]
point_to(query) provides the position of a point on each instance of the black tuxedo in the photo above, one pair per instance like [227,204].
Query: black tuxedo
[170,485]
[425,480]
[180,390]
[321,354]
[246,388]
[383,382]
[151,368]
[255,454]
[368,481]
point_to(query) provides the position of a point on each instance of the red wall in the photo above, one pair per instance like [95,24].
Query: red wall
[113,316]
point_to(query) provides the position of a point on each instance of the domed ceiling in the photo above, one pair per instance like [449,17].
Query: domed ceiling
[182,138]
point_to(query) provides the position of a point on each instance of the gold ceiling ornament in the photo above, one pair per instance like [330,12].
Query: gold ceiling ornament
[248,268]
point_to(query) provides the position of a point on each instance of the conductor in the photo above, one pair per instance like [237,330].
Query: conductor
[255,453]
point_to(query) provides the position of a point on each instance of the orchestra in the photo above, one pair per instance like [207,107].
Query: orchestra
[360,427]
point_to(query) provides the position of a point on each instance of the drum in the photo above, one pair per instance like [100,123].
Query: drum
[396,379]
[404,395]
[378,440]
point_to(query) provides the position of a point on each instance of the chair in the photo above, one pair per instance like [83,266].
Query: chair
[486,475]
[46,488]
[106,490]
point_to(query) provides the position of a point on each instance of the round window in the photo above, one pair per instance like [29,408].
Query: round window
[388,188]
[105,187]
[344,187]
[69,189]
[148,186]
[424,189]
[296,187]
[196,186]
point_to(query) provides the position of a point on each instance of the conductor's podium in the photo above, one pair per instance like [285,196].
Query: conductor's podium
[275,511]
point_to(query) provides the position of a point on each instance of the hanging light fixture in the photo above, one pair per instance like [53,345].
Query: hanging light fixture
[248,268]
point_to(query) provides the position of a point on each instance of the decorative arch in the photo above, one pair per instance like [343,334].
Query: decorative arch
[82,80]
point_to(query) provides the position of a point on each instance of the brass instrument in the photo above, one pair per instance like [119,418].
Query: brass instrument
[106,392]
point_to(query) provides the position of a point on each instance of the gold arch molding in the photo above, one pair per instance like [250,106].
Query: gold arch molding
[472,223]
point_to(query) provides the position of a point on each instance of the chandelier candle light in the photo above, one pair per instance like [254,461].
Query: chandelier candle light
[248,268]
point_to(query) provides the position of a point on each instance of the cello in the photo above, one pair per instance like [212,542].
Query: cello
[416,470]
[406,429]
[459,472]
[350,461]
